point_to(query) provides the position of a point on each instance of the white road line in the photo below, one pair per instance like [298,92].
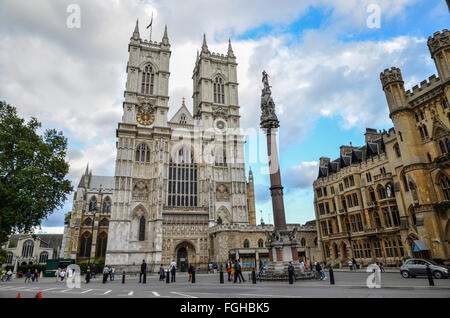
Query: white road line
[63,291]
[131,293]
[107,292]
[184,295]
[50,289]
[86,291]
[156,294]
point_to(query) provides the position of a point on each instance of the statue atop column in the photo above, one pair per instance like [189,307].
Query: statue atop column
[268,117]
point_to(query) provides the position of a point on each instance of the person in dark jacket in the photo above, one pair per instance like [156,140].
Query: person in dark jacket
[143,272]
[161,273]
[291,273]
[88,274]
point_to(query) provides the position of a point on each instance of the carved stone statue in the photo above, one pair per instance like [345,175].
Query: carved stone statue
[268,117]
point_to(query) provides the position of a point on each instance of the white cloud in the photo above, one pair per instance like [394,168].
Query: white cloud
[301,175]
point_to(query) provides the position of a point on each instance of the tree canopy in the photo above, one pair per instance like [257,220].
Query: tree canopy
[33,172]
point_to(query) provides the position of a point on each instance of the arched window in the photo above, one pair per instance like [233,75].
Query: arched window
[353,220]
[303,242]
[148,80]
[377,219]
[397,150]
[395,216]
[441,145]
[260,243]
[246,243]
[219,91]
[387,217]
[390,190]
[372,194]
[87,222]
[183,119]
[445,187]
[182,184]
[9,258]
[27,248]
[425,130]
[142,229]
[104,222]
[101,245]
[106,205]
[142,153]
[388,248]
[86,244]
[93,204]
[43,257]
[381,192]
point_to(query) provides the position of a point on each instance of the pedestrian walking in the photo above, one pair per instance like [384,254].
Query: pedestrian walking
[291,273]
[88,274]
[62,274]
[28,276]
[228,268]
[112,272]
[173,270]
[58,271]
[162,276]
[105,274]
[143,272]
[240,270]
[320,271]
[381,267]
[232,270]
[191,270]
[9,275]
[261,267]
[355,265]
[350,264]
[35,275]
[3,275]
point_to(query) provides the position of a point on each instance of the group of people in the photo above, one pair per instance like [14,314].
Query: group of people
[234,269]
[32,276]
[108,272]
[6,275]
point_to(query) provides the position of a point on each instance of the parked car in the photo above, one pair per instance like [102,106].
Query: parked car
[418,267]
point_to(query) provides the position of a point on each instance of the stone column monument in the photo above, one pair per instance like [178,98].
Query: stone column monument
[282,243]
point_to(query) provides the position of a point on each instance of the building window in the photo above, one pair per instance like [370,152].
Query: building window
[106,205]
[400,247]
[347,225]
[319,192]
[303,242]
[397,150]
[387,217]
[321,209]
[389,190]
[93,204]
[315,241]
[101,245]
[183,119]
[372,194]
[330,227]
[325,191]
[88,222]
[395,216]
[417,117]
[324,228]
[260,243]
[425,130]
[353,220]
[388,248]
[27,248]
[9,258]
[444,104]
[182,180]
[381,192]
[447,143]
[367,250]
[377,248]
[445,187]
[377,220]
[405,183]
[104,222]
[422,115]
[219,91]
[142,228]
[85,246]
[327,207]
[148,79]
[355,199]
[441,145]
[43,257]
[359,222]
[142,153]
[356,250]
[246,243]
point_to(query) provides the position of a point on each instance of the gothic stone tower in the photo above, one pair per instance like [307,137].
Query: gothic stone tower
[176,178]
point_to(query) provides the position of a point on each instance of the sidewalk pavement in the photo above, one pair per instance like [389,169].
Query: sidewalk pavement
[364,270]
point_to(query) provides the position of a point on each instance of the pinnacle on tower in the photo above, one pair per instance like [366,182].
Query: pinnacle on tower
[165,39]
[230,49]
[87,169]
[204,45]
[136,35]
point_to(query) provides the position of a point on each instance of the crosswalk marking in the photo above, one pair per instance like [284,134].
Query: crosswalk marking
[107,292]
[156,294]
[86,291]
[131,293]
[184,295]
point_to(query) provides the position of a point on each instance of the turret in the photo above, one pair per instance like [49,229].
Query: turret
[205,49]
[136,35]
[392,82]
[439,46]
[230,50]
[165,39]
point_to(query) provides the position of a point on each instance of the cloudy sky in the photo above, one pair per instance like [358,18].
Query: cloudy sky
[324,58]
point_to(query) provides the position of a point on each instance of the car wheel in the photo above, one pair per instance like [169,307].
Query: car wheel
[437,275]
[405,274]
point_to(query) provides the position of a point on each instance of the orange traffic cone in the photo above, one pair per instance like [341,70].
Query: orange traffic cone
[39,295]
[18,295]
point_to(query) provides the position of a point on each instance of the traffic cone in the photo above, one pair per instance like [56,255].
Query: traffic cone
[18,295]
[39,295]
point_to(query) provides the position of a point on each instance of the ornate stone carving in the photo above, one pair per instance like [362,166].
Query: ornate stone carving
[140,191]
[268,117]
[222,193]
[390,76]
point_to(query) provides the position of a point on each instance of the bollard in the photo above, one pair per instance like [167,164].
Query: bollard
[430,276]
[123,277]
[331,276]
[221,276]
[253,276]
[167,277]
[105,278]
[193,277]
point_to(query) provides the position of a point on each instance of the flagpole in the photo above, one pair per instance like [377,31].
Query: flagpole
[151,27]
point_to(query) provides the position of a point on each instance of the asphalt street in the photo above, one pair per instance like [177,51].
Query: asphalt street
[348,285]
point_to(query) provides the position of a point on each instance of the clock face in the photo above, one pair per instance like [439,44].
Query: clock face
[145,117]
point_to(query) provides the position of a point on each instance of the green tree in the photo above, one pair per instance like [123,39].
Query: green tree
[33,172]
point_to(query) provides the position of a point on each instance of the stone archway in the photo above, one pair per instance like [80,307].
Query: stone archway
[185,254]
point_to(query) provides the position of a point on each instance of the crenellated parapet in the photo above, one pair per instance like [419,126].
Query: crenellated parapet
[390,76]
[438,41]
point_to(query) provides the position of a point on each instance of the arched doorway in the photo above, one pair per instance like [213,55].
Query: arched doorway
[185,253]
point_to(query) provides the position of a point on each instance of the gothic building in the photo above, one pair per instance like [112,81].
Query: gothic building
[389,199]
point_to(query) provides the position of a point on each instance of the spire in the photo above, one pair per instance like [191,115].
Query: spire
[87,169]
[183,102]
[165,39]
[136,35]
[230,49]
[204,45]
